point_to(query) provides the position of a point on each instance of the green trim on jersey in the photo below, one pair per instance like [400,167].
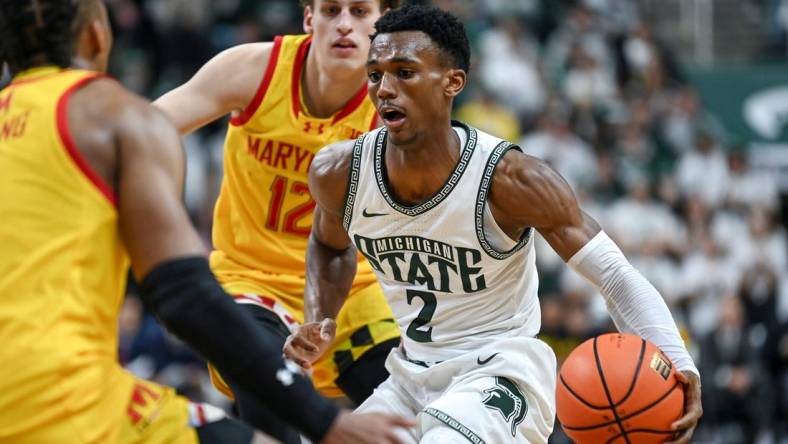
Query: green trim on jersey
[448,186]
[484,188]
[352,182]
[455,425]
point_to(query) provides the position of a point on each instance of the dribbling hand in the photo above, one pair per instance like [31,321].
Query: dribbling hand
[309,341]
[685,426]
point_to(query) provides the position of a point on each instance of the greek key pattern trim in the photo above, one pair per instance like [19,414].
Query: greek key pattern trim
[481,198]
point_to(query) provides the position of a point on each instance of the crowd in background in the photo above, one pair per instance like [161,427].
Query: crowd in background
[588,87]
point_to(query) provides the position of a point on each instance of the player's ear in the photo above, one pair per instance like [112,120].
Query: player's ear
[94,42]
[454,82]
[308,15]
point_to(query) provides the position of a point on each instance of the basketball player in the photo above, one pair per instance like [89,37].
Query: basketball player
[289,98]
[91,176]
[446,215]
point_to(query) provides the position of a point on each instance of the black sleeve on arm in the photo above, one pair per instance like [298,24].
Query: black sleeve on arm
[186,298]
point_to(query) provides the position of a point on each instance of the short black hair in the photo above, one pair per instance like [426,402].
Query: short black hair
[443,28]
[39,32]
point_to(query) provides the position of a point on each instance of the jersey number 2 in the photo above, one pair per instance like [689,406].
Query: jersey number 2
[291,218]
[424,317]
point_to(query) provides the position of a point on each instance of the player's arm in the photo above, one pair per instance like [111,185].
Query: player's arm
[169,260]
[634,304]
[226,83]
[330,256]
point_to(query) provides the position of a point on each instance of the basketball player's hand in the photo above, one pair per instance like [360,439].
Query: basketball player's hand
[367,428]
[309,341]
[685,426]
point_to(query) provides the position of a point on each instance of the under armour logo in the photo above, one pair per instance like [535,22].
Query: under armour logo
[310,128]
[140,403]
[286,375]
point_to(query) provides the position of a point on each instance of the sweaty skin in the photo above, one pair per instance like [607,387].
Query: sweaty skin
[409,76]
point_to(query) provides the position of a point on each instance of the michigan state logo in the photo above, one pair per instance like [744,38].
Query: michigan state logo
[508,400]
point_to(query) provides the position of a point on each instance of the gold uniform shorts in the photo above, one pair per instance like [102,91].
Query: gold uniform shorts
[364,322]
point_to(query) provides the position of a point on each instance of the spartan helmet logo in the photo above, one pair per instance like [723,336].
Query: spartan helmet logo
[508,400]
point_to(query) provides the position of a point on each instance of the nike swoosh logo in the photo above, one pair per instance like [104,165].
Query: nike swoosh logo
[366,214]
[482,362]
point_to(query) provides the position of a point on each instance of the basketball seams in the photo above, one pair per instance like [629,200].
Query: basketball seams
[654,432]
[579,398]
[631,415]
[640,403]
[637,373]
[607,392]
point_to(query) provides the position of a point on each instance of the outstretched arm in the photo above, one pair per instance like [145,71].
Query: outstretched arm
[330,256]
[226,83]
[528,193]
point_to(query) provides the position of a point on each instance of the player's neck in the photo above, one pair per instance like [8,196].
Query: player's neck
[418,170]
[326,92]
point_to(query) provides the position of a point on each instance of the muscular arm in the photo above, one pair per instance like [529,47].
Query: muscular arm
[526,192]
[143,151]
[227,83]
[330,256]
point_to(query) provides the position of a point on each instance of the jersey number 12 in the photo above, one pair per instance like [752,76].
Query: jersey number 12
[294,215]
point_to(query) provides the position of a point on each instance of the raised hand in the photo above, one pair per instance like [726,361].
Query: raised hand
[309,341]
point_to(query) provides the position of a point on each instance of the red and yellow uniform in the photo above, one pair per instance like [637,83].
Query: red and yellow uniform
[62,277]
[264,212]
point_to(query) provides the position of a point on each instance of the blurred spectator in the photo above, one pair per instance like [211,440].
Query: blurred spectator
[580,28]
[684,118]
[735,395]
[641,224]
[588,84]
[708,276]
[703,172]
[509,66]
[554,142]
[519,8]
[764,244]
[636,153]
[485,113]
[616,16]
[748,188]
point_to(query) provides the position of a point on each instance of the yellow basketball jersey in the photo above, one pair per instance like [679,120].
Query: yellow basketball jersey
[263,215]
[62,273]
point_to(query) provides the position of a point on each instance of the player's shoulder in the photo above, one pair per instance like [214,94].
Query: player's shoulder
[238,64]
[516,165]
[329,172]
[246,55]
[520,177]
[106,101]
[332,160]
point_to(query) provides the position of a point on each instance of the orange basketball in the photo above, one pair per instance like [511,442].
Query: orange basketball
[618,389]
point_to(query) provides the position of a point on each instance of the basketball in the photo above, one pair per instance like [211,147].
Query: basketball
[616,389]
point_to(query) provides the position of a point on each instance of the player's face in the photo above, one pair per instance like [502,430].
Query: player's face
[340,30]
[411,85]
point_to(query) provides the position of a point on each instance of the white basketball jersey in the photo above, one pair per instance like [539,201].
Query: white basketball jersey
[454,280]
